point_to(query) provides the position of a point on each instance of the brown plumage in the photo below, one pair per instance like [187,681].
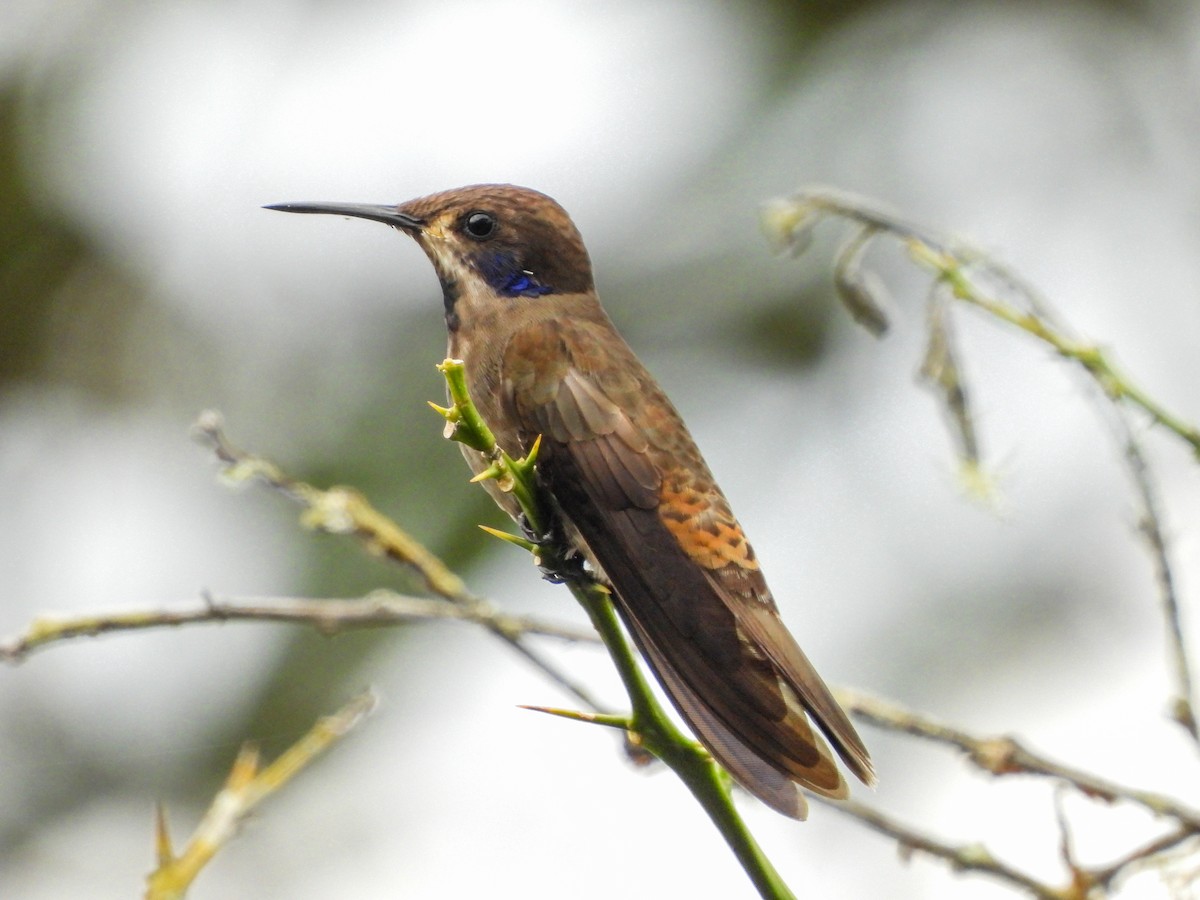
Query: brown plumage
[543,358]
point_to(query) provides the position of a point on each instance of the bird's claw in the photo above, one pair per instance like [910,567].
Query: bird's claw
[550,573]
[558,566]
[557,560]
[532,534]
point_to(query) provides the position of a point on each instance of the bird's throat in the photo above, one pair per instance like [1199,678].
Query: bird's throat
[450,295]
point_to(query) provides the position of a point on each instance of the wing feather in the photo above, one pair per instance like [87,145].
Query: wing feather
[627,475]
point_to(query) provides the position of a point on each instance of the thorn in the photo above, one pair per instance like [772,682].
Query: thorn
[244,768]
[449,413]
[526,464]
[492,471]
[610,721]
[162,837]
[514,539]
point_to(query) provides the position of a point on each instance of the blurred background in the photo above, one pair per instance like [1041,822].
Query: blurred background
[140,282]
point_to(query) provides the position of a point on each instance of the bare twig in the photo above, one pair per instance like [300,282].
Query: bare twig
[1150,526]
[327,615]
[1117,388]
[1085,883]
[1082,881]
[246,787]
[1151,518]
[336,510]
[1003,755]
[1108,876]
[961,857]
[342,510]
[972,277]
[976,279]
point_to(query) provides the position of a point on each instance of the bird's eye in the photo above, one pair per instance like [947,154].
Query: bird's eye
[480,225]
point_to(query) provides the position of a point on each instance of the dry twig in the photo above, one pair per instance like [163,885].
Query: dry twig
[970,276]
[1004,755]
[327,615]
[341,510]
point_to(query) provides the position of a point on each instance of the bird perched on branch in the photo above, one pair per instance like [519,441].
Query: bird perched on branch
[633,492]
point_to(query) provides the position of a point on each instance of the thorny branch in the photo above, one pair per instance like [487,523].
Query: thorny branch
[648,728]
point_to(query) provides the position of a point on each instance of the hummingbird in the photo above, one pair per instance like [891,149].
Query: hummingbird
[634,495]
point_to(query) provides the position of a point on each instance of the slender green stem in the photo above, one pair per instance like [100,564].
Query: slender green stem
[653,729]
[469,427]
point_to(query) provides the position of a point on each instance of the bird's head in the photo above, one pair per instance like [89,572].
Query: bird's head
[507,240]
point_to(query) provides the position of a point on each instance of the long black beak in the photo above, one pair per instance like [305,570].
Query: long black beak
[388,215]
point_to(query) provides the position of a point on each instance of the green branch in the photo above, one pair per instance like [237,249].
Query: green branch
[648,727]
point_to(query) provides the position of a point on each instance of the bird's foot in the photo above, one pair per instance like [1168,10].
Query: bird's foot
[532,534]
[558,567]
[557,560]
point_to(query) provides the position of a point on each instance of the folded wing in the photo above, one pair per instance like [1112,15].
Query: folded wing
[623,468]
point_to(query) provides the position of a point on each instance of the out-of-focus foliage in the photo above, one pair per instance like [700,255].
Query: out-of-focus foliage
[140,283]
